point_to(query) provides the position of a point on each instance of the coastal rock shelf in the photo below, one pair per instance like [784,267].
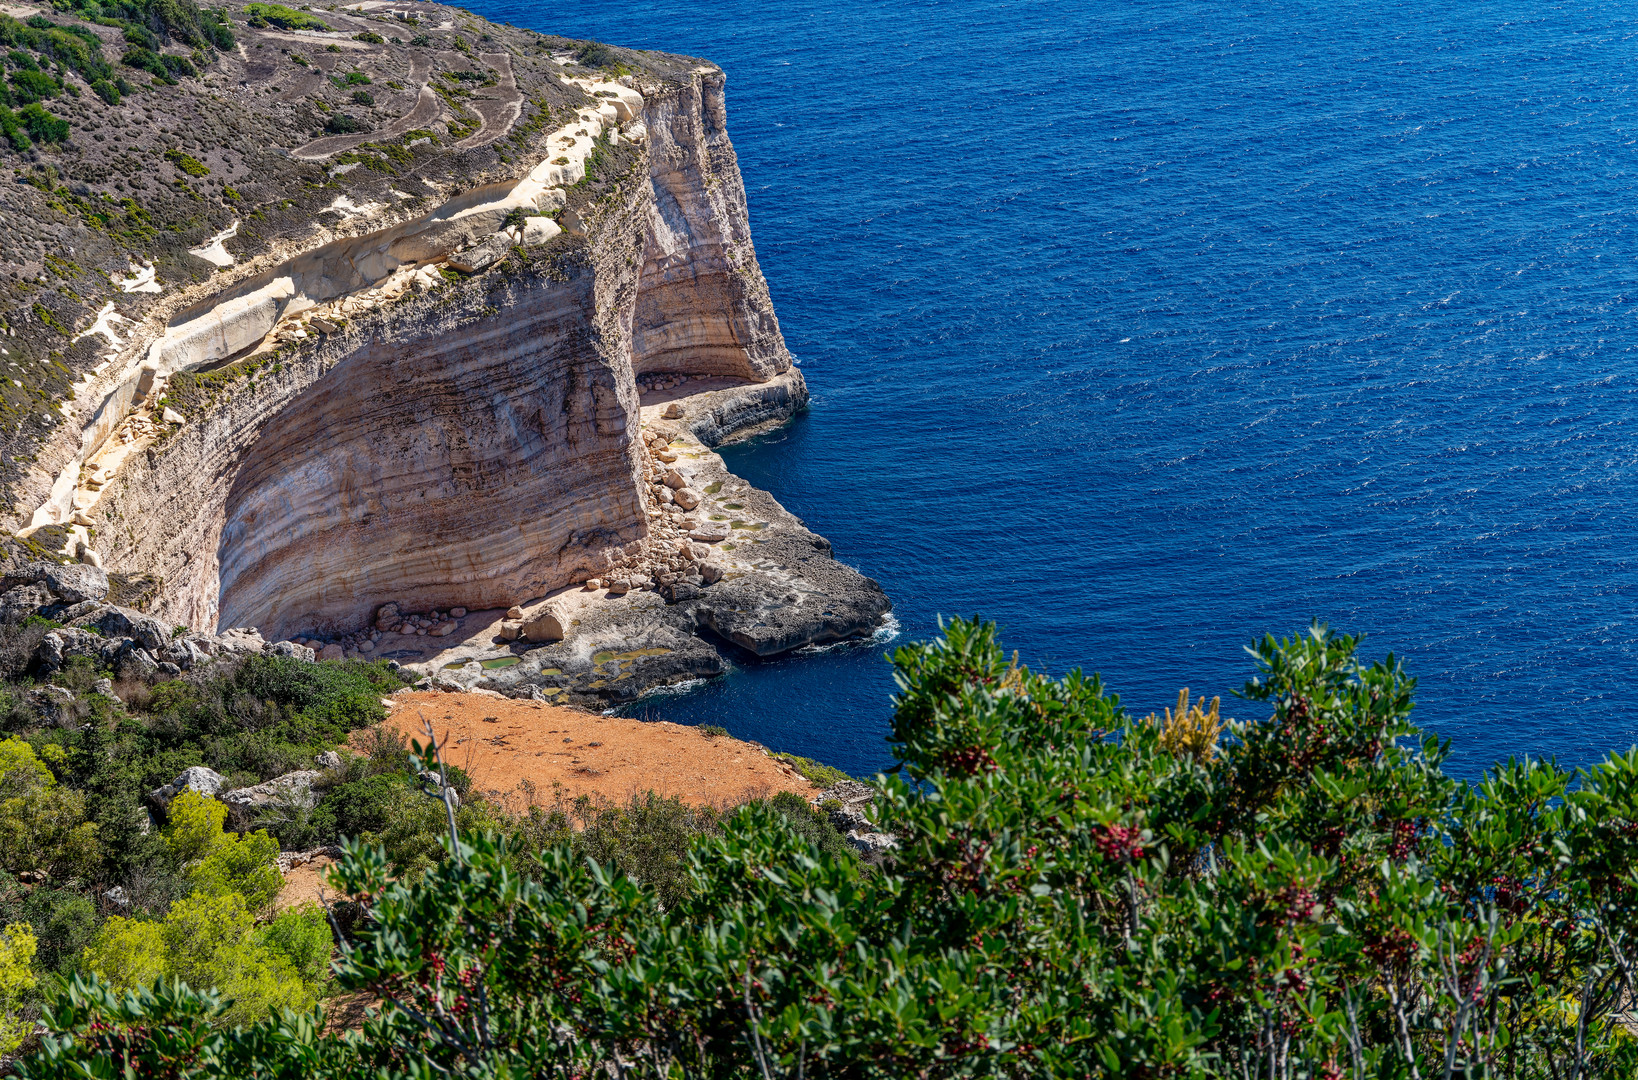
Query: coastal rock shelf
[472,360]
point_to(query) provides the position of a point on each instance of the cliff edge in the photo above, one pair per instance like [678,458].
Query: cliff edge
[395,332]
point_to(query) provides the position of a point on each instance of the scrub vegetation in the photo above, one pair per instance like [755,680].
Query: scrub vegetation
[1074,892]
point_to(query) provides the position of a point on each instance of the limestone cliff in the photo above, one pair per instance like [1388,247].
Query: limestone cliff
[407,364]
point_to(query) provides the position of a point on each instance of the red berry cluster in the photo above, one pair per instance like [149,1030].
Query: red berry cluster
[1119,843]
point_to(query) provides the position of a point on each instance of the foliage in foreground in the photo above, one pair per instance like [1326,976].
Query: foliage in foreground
[1075,893]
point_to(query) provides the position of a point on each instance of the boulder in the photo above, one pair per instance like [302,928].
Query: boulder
[115,621]
[679,592]
[330,760]
[282,794]
[457,613]
[19,603]
[132,662]
[77,582]
[442,630]
[67,613]
[710,532]
[332,651]
[187,653]
[687,498]
[481,257]
[538,230]
[544,625]
[675,480]
[63,644]
[510,630]
[387,616]
[514,612]
[52,703]
[710,572]
[673,411]
[290,650]
[241,640]
[195,777]
[871,844]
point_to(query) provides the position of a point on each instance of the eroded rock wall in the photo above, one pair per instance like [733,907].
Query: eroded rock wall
[703,306]
[473,444]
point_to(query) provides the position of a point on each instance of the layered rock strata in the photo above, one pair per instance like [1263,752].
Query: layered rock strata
[434,395]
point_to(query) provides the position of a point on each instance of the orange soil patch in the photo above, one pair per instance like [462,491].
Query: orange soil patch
[305,883]
[518,752]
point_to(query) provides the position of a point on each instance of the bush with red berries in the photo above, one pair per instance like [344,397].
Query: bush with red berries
[1308,895]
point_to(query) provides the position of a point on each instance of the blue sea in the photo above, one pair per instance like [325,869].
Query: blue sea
[1148,328]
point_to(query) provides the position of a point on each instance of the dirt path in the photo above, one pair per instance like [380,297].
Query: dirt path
[499,112]
[518,752]
[427,109]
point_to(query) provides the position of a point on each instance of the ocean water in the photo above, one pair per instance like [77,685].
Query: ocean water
[1149,328]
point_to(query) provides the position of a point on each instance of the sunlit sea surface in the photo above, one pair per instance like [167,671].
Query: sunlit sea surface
[1148,328]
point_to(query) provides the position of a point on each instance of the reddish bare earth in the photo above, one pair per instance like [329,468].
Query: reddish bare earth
[520,753]
[523,752]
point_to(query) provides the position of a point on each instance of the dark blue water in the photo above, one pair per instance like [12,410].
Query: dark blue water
[1145,328]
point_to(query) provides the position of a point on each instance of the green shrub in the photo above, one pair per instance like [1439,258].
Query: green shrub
[370,37]
[145,59]
[139,35]
[342,124]
[358,807]
[43,825]
[815,773]
[212,941]
[107,91]
[64,922]
[362,97]
[595,54]
[193,167]
[301,935]
[284,18]
[17,951]
[218,862]
[1074,893]
[32,86]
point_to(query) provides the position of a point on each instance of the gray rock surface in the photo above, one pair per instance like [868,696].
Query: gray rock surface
[281,795]
[76,582]
[195,777]
[290,650]
[847,803]
[123,622]
[53,703]
[20,602]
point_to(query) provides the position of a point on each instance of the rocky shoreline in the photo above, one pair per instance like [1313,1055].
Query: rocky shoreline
[724,572]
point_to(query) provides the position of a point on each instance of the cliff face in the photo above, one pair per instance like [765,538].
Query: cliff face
[436,399]
[703,306]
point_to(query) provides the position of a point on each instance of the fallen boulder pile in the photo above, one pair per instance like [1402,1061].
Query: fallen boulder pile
[133,645]
[294,792]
